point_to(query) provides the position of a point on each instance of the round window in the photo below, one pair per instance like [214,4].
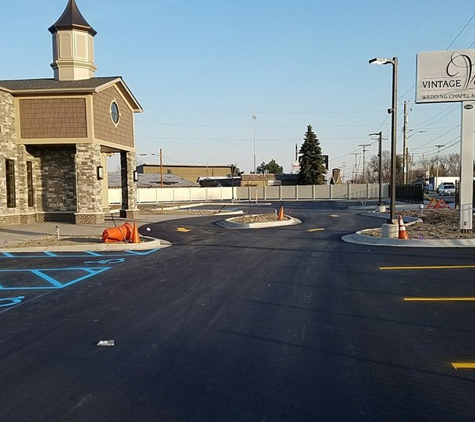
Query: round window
[115,115]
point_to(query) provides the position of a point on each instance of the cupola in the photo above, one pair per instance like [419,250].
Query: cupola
[73,46]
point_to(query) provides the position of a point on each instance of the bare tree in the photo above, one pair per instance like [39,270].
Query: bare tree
[373,166]
[451,164]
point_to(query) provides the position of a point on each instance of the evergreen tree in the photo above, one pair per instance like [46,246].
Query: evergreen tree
[271,167]
[312,163]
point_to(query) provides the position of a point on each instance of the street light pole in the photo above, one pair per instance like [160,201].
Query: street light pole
[437,168]
[407,161]
[393,112]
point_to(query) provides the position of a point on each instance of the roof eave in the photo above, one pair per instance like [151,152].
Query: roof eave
[136,107]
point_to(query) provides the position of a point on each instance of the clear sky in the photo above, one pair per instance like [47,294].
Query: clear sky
[202,69]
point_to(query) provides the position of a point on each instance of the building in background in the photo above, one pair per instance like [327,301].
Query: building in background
[189,172]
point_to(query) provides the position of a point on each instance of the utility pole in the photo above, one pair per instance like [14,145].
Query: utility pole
[355,171]
[380,165]
[364,159]
[254,136]
[437,169]
[404,146]
[161,168]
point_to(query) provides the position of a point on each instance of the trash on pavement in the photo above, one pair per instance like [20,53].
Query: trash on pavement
[105,343]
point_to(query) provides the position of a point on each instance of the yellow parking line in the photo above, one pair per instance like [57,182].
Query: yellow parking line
[183,230]
[439,299]
[316,230]
[463,365]
[429,267]
[334,215]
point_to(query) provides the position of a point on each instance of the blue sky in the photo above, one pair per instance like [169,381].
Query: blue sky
[201,69]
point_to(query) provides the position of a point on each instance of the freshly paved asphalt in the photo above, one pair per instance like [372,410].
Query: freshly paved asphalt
[278,324]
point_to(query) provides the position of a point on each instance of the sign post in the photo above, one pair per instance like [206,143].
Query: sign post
[466,167]
[449,76]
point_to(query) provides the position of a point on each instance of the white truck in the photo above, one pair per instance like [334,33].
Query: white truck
[434,182]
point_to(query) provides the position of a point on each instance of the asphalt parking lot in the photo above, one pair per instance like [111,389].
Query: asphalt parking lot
[283,323]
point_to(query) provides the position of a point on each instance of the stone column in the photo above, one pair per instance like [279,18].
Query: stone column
[88,185]
[129,187]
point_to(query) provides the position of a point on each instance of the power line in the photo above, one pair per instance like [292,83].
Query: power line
[460,33]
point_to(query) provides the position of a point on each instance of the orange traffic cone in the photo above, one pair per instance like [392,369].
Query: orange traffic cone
[117,234]
[402,229]
[280,216]
[135,234]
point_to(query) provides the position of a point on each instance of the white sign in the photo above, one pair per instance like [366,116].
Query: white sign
[445,76]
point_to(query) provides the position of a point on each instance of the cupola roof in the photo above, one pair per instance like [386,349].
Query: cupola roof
[72,19]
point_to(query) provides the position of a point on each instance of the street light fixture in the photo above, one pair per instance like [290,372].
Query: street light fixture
[393,112]
[405,152]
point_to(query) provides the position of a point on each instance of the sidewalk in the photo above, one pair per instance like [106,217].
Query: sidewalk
[11,235]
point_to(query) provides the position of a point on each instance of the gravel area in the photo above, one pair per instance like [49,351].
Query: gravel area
[434,224]
[257,218]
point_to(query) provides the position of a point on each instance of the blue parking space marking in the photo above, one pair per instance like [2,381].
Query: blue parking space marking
[85,254]
[46,279]
[59,275]
[10,301]
[107,261]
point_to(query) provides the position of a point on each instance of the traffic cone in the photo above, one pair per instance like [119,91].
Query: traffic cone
[117,234]
[135,234]
[402,229]
[280,216]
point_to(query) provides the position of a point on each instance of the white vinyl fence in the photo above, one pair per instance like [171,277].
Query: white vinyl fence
[266,193]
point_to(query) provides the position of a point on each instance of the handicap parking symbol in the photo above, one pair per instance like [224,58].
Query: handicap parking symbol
[107,261]
[10,301]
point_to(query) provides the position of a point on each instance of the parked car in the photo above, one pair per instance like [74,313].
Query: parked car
[446,188]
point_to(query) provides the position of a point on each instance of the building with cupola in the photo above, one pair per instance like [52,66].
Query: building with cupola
[55,135]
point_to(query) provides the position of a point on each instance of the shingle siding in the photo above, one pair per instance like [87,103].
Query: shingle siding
[53,118]
[123,133]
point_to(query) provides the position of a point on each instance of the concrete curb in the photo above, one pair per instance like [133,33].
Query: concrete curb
[229,224]
[362,239]
[153,243]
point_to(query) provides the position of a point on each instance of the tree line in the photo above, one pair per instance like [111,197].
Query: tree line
[444,165]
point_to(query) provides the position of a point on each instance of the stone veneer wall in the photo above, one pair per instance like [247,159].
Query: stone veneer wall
[21,213]
[88,186]
[129,187]
[55,178]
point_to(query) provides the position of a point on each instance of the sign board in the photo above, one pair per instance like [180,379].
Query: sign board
[325,160]
[445,76]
